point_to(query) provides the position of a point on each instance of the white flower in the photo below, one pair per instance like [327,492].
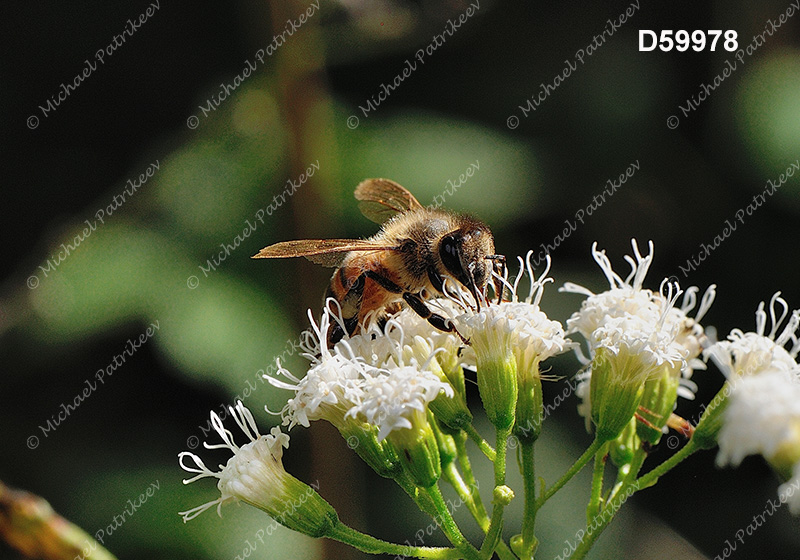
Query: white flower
[510,340]
[635,338]
[329,387]
[763,413]
[637,330]
[408,337]
[375,377]
[391,400]
[690,333]
[624,298]
[630,315]
[377,388]
[753,352]
[397,382]
[522,327]
[518,325]
[627,298]
[254,474]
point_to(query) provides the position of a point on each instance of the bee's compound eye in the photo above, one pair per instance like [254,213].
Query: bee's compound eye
[449,245]
[448,252]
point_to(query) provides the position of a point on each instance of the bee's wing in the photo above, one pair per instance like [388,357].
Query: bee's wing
[381,199]
[327,252]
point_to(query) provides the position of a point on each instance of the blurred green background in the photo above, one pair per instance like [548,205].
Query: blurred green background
[218,330]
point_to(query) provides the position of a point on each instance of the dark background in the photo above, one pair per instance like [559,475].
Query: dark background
[452,111]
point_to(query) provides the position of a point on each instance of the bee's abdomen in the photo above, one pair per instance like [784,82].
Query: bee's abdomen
[359,294]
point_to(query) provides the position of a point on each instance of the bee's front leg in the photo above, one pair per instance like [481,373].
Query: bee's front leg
[438,321]
[499,268]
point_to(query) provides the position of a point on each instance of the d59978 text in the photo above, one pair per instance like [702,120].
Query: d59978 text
[681,41]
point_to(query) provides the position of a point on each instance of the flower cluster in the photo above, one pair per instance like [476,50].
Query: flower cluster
[373,386]
[397,392]
[639,344]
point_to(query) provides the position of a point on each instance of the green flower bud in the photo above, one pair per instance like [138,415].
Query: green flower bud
[447,445]
[497,385]
[502,495]
[301,509]
[510,339]
[622,449]
[418,450]
[530,408]
[658,401]
[452,411]
[362,438]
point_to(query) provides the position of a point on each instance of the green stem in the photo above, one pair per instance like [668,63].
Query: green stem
[573,470]
[622,476]
[631,473]
[444,518]
[595,500]
[504,552]
[482,444]
[453,477]
[476,508]
[371,545]
[500,458]
[492,538]
[529,542]
[652,477]
[430,501]
[629,486]
[469,478]
[597,525]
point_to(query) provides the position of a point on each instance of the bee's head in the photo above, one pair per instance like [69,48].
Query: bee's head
[464,255]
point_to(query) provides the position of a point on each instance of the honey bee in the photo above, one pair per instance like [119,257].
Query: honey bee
[405,263]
